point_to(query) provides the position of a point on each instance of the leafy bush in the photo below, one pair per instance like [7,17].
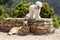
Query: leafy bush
[21,9]
[1,10]
[3,14]
[59,23]
[55,21]
[46,11]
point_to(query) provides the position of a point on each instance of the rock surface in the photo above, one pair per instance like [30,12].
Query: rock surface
[38,27]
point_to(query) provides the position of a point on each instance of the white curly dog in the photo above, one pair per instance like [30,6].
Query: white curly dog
[34,10]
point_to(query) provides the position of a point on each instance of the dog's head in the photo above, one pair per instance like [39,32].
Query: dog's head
[38,4]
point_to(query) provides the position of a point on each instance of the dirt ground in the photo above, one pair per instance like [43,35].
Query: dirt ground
[4,36]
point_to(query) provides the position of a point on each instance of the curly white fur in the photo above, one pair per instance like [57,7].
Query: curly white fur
[34,11]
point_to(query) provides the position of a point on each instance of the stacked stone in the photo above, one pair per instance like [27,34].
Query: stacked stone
[7,24]
[40,26]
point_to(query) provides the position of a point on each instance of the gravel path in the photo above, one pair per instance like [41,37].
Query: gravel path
[4,36]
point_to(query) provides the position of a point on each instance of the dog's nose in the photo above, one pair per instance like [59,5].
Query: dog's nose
[38,7]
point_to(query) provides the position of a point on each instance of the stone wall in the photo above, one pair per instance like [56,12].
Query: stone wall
[36,26]
[42,26]
[8,23]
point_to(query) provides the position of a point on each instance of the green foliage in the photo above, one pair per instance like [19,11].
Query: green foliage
[55,21]
[2,13]
[59,22]
[1,10]
[21,9]
[4,16]
[46,11]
